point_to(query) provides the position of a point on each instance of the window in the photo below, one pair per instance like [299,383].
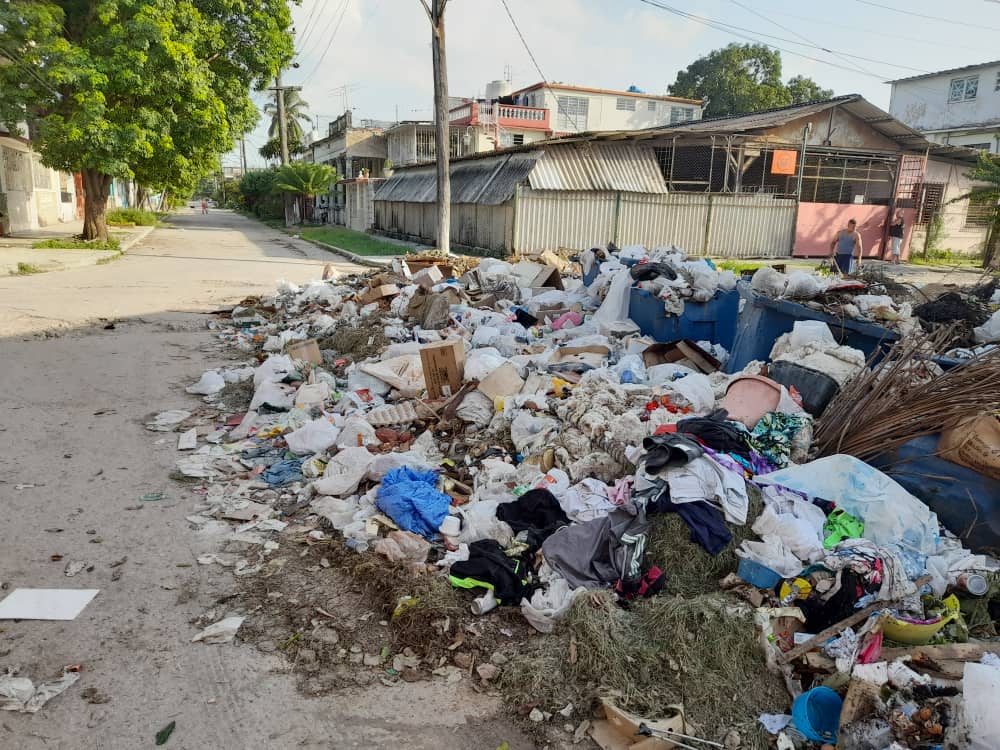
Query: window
[572,113]
[963,89]
[625,104]
[996,86]
[979,212]
[517,139]
[651,106]
[681,114]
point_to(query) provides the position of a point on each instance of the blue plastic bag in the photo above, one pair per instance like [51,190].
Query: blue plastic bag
[411,499]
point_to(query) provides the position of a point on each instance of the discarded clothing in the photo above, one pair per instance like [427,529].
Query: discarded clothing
[717,433]
[537,512]
[669,450]
[599,553]
[588,500]
[489,567]
[411,499]
[707,526]
[772,436]
[284,472]
[705,479]
[650,584]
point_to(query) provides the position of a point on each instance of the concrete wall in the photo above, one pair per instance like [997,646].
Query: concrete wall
[843,129]
[818,223]
[924,105]
[17,202]
[955,236]
[603,112]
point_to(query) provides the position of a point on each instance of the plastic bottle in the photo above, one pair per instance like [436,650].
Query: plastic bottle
[358,545]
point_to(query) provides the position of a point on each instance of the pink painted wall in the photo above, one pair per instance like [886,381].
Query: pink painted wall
[818,224]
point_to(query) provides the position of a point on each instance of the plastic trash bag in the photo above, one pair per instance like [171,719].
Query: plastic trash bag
[802,285]
[337,511]
[769,282]
[211,382]
[221,632]
[275,395]
[485,336]
[362,381]
[481,362]
[891,514]
[315,437]
[550,604]
[411,499]
[697,390]
[312,394]
[404,373]
[344,472]
[476,408]
[989,331]
[274,369]
[356,433]
[615,305]
[237,374]
[403,546]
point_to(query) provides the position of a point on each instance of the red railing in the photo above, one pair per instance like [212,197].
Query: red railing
[505,115]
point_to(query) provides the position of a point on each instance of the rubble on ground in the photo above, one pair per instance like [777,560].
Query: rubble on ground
[546,497]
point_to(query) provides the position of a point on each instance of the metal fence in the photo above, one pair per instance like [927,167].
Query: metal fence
[738,226]
[472,225]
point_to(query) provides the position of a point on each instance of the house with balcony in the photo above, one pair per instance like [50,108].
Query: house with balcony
[580,109]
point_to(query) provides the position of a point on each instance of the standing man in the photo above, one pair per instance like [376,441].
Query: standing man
[204,205]
[845,247]
[896,235]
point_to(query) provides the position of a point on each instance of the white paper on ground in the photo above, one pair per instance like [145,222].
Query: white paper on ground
[45,604]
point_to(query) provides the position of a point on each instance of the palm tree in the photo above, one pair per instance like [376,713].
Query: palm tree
[304,179]
[295,115]
[987,171]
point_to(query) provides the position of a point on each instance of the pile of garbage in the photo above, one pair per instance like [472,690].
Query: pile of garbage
[507,428]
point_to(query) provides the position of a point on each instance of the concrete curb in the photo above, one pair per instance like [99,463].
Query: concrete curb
[134,239]
[382,261]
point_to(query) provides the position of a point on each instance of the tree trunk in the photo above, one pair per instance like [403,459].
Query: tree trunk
[991,250]
[141,196]
[95,204]
[442,145]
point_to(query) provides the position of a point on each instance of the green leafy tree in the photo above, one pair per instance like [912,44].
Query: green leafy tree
[987,171]
[272,149]
[150,89]
[802,90]
[741,78]
[304,179]
[296,113]
[259,197]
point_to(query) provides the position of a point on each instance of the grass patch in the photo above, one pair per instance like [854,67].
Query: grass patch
[739,266]
[134,216]
[27,269]
[109,259]
[69,243]
[357,242]
[946,258]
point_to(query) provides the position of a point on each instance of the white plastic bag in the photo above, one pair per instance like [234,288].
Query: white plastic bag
[344,472]
[989,331]
[356,433]
[211,382]
[550,604]
[404,373]
[615,305]
[273,369]
[277,396]
[481,362]
[697,390]
[314,437]
[312,394]
[769,282]
[803,285]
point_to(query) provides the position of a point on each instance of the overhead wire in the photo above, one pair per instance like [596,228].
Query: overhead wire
[25,67]
[309,27]
[329,44]
[538,68]
[939,19]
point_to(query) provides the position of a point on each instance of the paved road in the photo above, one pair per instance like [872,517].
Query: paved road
[194,262]
[71,424]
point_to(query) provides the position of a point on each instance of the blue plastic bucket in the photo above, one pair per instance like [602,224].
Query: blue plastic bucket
[757,575]
[816,714]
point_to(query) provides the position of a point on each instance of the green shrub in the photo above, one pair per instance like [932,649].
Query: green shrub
[69,243]
[26,269]
[133,216]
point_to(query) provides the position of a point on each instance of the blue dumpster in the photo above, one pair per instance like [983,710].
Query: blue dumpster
[764,319]
[588,278]
[713,321]
[966,502]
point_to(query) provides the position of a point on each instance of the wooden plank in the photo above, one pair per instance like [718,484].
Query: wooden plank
[824,635]
[950,651]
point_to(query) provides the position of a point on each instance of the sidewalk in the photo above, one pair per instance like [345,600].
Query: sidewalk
[17,255]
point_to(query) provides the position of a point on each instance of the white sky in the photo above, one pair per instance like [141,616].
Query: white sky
[381,48]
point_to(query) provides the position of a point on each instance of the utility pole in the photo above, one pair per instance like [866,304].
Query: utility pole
[435,13]
[279,98]
[243,153]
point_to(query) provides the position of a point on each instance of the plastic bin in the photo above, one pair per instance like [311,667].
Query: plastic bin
[816,714]
[713,321]
[816,388]
[764,319]
[966,502]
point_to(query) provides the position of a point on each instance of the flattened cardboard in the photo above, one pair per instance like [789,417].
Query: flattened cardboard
[377,292]
[444,367]
[502,382]
[428,277]
[675,351]
[592,355]
[45,604]
[533,275]
[307,350]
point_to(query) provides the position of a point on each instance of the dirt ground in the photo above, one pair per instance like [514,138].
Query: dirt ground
[72,426]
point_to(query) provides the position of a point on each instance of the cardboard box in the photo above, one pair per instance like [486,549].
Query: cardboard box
[307,350]
[377,292]
[502,382]
[535,275]
[444,367]
[678,352]
[593,355]
[416,266]
[428,277]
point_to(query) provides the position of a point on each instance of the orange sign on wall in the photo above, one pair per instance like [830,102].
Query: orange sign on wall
[784,162]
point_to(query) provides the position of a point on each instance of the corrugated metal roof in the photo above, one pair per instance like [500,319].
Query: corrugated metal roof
[489,181]
[598,166]
[963,69]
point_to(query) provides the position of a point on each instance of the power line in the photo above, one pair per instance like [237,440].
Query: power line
[329,45]
[793,31]
[932,18]
[25,67]
[538,68]
[308,27]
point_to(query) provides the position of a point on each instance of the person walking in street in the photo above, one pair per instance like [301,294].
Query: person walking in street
[845,247]
[896,236]
[204,206]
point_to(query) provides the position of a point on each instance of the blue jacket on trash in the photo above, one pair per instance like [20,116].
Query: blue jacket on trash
[411,499]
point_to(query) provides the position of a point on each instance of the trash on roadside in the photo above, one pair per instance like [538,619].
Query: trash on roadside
[45,604]
[222,631]
[21,694]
